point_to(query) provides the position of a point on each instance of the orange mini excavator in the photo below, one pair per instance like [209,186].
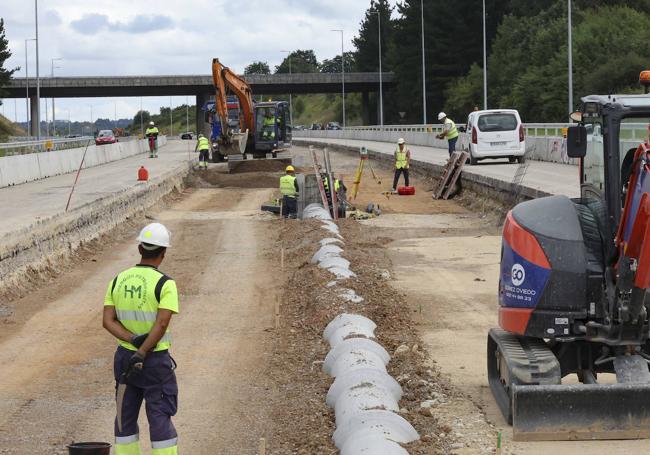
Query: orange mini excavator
[570,359]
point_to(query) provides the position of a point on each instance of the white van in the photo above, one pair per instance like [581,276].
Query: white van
[495,133]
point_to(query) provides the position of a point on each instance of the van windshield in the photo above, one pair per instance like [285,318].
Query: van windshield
[497,122]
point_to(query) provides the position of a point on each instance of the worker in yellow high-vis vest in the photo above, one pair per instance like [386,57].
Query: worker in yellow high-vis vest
[203,147]
[289,191]
[402,163]
[449,132]
[138,308]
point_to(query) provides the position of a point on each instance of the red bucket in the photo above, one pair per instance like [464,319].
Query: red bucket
[406,190]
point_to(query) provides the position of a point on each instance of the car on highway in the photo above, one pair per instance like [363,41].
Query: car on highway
[188,135]
[105,137]
[495,133]
[315,126]
[333,126]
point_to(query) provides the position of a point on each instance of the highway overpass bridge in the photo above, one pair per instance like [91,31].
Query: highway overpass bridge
[199,86]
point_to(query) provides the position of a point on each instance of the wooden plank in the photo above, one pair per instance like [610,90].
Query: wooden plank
[445,175]
[462,159]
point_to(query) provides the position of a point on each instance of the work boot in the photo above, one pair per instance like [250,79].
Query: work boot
[393,191]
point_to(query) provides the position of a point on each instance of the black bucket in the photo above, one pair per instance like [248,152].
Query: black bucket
[89,448]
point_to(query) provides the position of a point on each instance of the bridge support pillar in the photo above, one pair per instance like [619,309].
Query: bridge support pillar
[33,112]
[201,126]
[365,108]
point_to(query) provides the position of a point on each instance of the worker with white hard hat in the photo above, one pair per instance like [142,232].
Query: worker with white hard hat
[203,147]
[289,191]
[152,134]
[449,132]
[138,308]
[402,163]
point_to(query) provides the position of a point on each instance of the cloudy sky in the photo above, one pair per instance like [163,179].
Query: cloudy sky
[133,37]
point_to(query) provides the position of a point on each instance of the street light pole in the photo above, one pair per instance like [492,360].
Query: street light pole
[485,104]
[141,120]
[342,73]
[570,46]
[27,113]
[381,84]
[424,76]
[290,95]
[171,118]
[53,113]
[38,77]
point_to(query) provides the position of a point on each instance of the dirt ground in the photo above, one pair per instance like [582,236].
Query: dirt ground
[427,270]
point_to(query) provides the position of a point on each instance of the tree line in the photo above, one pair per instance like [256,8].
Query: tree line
[527,55]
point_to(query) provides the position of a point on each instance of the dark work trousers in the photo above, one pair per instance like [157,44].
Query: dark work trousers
[404,171]
[289,206]
[452,145]
[203,155]
[156,385]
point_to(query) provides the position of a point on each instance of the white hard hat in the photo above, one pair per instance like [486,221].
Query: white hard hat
[155,234]
[151,123]
[401,140]
[441,116]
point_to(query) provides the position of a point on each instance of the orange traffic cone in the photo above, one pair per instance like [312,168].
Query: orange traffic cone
[143,174]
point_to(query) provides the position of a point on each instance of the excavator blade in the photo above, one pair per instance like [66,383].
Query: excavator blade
[581,412]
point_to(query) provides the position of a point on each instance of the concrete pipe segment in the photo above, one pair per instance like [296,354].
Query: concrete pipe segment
[364,396]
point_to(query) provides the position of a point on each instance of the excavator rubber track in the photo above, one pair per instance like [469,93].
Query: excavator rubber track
[525,379]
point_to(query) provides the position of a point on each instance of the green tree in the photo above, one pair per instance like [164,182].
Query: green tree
[301,62]
[144,115]
[334,65]
[257,68]
[5,53]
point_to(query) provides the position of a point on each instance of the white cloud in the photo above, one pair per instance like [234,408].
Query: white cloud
[126,37]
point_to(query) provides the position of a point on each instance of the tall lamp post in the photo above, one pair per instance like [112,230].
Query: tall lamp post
[53,113]
[171,118]
[38,77]
[424,74]
[27,113]
[290,96]
[342,73]
[381,84]
[570,46]
[485,104]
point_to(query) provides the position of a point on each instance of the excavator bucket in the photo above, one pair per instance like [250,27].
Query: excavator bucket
[237,144]
[581,412]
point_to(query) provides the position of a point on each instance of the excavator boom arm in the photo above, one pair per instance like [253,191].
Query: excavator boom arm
[224,79]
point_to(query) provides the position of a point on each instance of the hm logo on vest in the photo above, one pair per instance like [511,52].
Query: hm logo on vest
[131,292]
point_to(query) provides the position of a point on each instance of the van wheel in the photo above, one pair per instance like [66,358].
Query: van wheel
[511,159]
[520,159]
[472,160]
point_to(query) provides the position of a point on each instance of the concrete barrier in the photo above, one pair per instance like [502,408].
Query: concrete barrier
[18,169]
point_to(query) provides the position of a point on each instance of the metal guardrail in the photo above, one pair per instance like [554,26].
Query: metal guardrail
[629,131]
[23,147]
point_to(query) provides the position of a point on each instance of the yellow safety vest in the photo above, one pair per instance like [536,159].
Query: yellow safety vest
[288,185]
[453,131]
[150,131]
[326,184]
[401,161]
[137,294]
[204,144]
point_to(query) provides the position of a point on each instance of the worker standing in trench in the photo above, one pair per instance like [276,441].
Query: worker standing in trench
[402,163]
[289,191]
[138,308]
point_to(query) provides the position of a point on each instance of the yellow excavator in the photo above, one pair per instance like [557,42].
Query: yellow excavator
[264,128]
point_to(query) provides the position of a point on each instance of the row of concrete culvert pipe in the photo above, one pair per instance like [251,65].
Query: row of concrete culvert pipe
[364,396]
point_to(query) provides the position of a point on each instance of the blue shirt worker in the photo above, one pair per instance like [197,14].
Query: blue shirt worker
[138,308]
